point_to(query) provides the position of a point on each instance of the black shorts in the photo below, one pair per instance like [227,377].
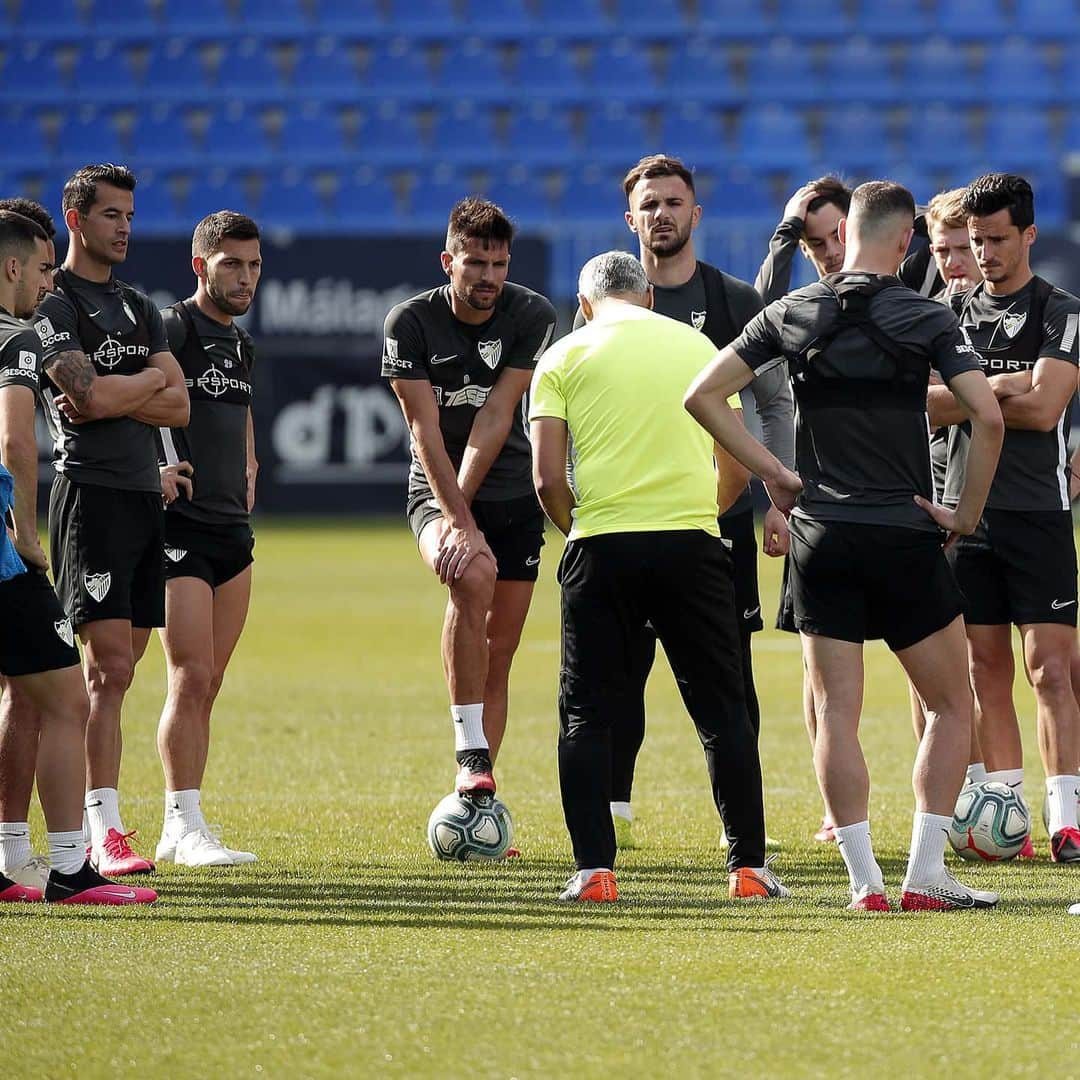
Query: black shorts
[1019,566]
[739,531]
[213,553]
[513,528]
[852,582]
[35,634]
[106,553]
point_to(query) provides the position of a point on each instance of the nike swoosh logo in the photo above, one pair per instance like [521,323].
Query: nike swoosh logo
[68,847]
[123,894]
[532,560]
[1057,605]
[442,359]
[93,313]
[749,613]
[89,804]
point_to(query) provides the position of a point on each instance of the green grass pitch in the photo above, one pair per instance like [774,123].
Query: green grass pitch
[348,951]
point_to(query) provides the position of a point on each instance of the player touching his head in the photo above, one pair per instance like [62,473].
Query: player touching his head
[208,486]
[459,358]
[866,537]
[1019,566]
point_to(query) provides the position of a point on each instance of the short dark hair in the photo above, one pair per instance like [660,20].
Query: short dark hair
[1001,191]
[830,190]
[879,199]
[32,210]
[17,235]
[219,226]
[80,192]
[477,219]
[656,165]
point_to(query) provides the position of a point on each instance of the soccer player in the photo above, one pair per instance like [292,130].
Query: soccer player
[811,223]
[37,650]
[209,490]
[663,214]
[1019,566]
[643,546]
[866,538]
[459,358]
[113,381]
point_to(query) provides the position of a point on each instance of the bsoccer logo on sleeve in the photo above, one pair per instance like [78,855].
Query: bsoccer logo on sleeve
[27,361]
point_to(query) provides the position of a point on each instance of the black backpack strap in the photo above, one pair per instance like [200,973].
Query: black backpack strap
[720,327]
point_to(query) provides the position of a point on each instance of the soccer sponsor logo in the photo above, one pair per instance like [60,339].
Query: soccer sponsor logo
[48,334]
[491,352]
[27,360]
[98,585]
[175,554]
[19,373]
[467,395]
[110,352]
[215,382]
[64,632]
[390,355]
[1012,322]
[697,319]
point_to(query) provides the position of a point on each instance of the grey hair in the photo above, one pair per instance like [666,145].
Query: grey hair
[612,272]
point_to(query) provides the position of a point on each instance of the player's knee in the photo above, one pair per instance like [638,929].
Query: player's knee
[192,680]
[110,674]
[476,587]
[1051,676]
[212,691]
[501,649]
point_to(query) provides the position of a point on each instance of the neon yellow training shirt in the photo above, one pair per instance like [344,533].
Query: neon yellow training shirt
[641,462]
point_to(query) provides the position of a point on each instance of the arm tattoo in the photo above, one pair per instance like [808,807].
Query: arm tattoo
[74,374]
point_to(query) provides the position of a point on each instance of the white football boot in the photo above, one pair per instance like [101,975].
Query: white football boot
[200,847]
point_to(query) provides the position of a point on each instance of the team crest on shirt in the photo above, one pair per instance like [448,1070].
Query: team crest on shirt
[697,319]
[175,554]
[64,632]
[491,353]
[1012,322]
[98,585]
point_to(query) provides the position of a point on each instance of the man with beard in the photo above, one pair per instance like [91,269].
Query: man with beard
[663,214]
[460,358]
[208,485]
[113,382]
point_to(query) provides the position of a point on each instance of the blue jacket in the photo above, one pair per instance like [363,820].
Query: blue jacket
[10,563]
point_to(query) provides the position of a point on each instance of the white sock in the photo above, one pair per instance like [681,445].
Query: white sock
[926,863]
[976,773]
[1013,778]
[858,855]
[584,875]
[103,810]
[183,812]
[15,850]
[85,828]
[1061,795]
[67,852]
[468,727]
[622,810]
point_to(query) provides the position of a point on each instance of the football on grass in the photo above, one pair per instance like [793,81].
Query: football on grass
[466,829]
[990,822]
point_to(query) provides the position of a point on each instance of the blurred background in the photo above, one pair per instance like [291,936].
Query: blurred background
[349,129]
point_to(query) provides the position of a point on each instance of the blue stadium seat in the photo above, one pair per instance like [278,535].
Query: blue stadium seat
[355,17]
[105,72]
[36,70]
[541,134]
[938,70]
[1019,134]
[859,70]
[594,195]
[692,131]
[621,69]
[90,134]
[207,18]
[653,19]
[388,132]
[433,193]
[614,133]
[470,68]
[887,19]
[699,70]
[941,136]
[811,20]
[545,69]
[1016,71]
[365,199]
[71,17]
[773,137]
[574,16]
[509,19]
[396,68]
[781,70]
[734,192]
[134,20]
[1071,134]
[1051,198]
[292,17]
[737,20]
[857,136]
[434,18]
[327,67]
[217,189]
[236,136]
[520,194]
[162,135]
[310,133]
[972,20]
[176,70]
[22,139]
[247,67]
[464,132]
[1056,20]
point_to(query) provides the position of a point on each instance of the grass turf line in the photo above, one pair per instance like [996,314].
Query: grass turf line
[348,951]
